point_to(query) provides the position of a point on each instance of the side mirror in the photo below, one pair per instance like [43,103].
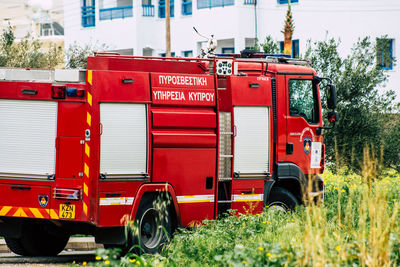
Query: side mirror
[332,116]
[331,96]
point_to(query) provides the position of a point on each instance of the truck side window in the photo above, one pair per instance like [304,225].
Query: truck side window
[303,100]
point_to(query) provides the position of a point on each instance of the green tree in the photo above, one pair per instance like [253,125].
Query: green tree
[288,29]
[27,53]
[76,55]
[269,46]
[362,109]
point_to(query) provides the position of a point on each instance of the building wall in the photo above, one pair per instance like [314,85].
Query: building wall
[139,32]
[238,25]
[26,18]
[347,20]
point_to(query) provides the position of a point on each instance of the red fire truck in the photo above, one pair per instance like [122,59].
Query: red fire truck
[86,152]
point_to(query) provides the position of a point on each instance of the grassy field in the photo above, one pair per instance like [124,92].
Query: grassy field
[357,225]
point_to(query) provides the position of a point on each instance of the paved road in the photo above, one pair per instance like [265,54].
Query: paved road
[64,258]
[79,249]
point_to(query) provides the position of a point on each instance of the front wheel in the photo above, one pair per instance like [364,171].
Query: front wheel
[281,199]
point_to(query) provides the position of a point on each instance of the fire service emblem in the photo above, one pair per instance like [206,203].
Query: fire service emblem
[307,145]
[43,200]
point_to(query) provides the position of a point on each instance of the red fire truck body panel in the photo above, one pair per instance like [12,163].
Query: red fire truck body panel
[116,201]
[174,165]
[32,91]
[122,63]
[183,117]
[116,81]
[136,127]
[16,195]
[250,91]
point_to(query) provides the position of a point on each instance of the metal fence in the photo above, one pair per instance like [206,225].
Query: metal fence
[250,2]
[148,10]
[116,13]
[214,3]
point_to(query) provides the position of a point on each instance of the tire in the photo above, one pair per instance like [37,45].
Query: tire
[281,199]
[15,245]
[37,240]
[154,226]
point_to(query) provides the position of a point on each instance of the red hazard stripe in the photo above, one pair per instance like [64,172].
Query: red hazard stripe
[28,212]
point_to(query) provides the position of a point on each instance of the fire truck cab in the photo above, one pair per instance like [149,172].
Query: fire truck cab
[161,142]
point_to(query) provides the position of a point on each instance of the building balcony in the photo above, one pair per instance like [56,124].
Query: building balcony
[148,10]
[116,13]
[214,3]
[250,2]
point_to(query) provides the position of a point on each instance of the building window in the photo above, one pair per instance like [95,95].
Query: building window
[148,8]
[214,3]
[286,1]
[295,48]
[165,54]
[88,13]
[161,8]
[186,7]
[384,53]
[188,53]
[50,29]
[228,50]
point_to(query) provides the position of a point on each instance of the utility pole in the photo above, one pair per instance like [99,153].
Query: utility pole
[255,22]
[168,27]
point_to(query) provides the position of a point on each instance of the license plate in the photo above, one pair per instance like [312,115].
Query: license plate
[67,211]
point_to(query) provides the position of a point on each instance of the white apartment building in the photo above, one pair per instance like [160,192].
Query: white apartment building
[28,18]
[137,27]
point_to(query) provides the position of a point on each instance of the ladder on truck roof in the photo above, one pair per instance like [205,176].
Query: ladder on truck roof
[267,58]
[277,60]
[43,75]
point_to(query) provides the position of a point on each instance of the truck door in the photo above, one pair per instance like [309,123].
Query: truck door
[252,117]
[304,146]
[121,98]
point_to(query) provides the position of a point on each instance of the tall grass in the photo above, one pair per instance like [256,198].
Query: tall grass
[357,225]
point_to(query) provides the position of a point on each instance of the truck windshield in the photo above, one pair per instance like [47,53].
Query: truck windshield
[303,100]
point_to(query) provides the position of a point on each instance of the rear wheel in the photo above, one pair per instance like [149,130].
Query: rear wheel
[154,226]
[281,199]
[15,245]
[39,240]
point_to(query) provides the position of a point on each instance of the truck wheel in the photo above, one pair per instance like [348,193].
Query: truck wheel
[14,244]
[43,240]
[282,199]
[153,225]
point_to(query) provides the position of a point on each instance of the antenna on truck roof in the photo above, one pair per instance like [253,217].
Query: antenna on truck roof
[209,51]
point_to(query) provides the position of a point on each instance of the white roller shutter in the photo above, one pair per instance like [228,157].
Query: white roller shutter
[27,136]
[252,147]
[124,139]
